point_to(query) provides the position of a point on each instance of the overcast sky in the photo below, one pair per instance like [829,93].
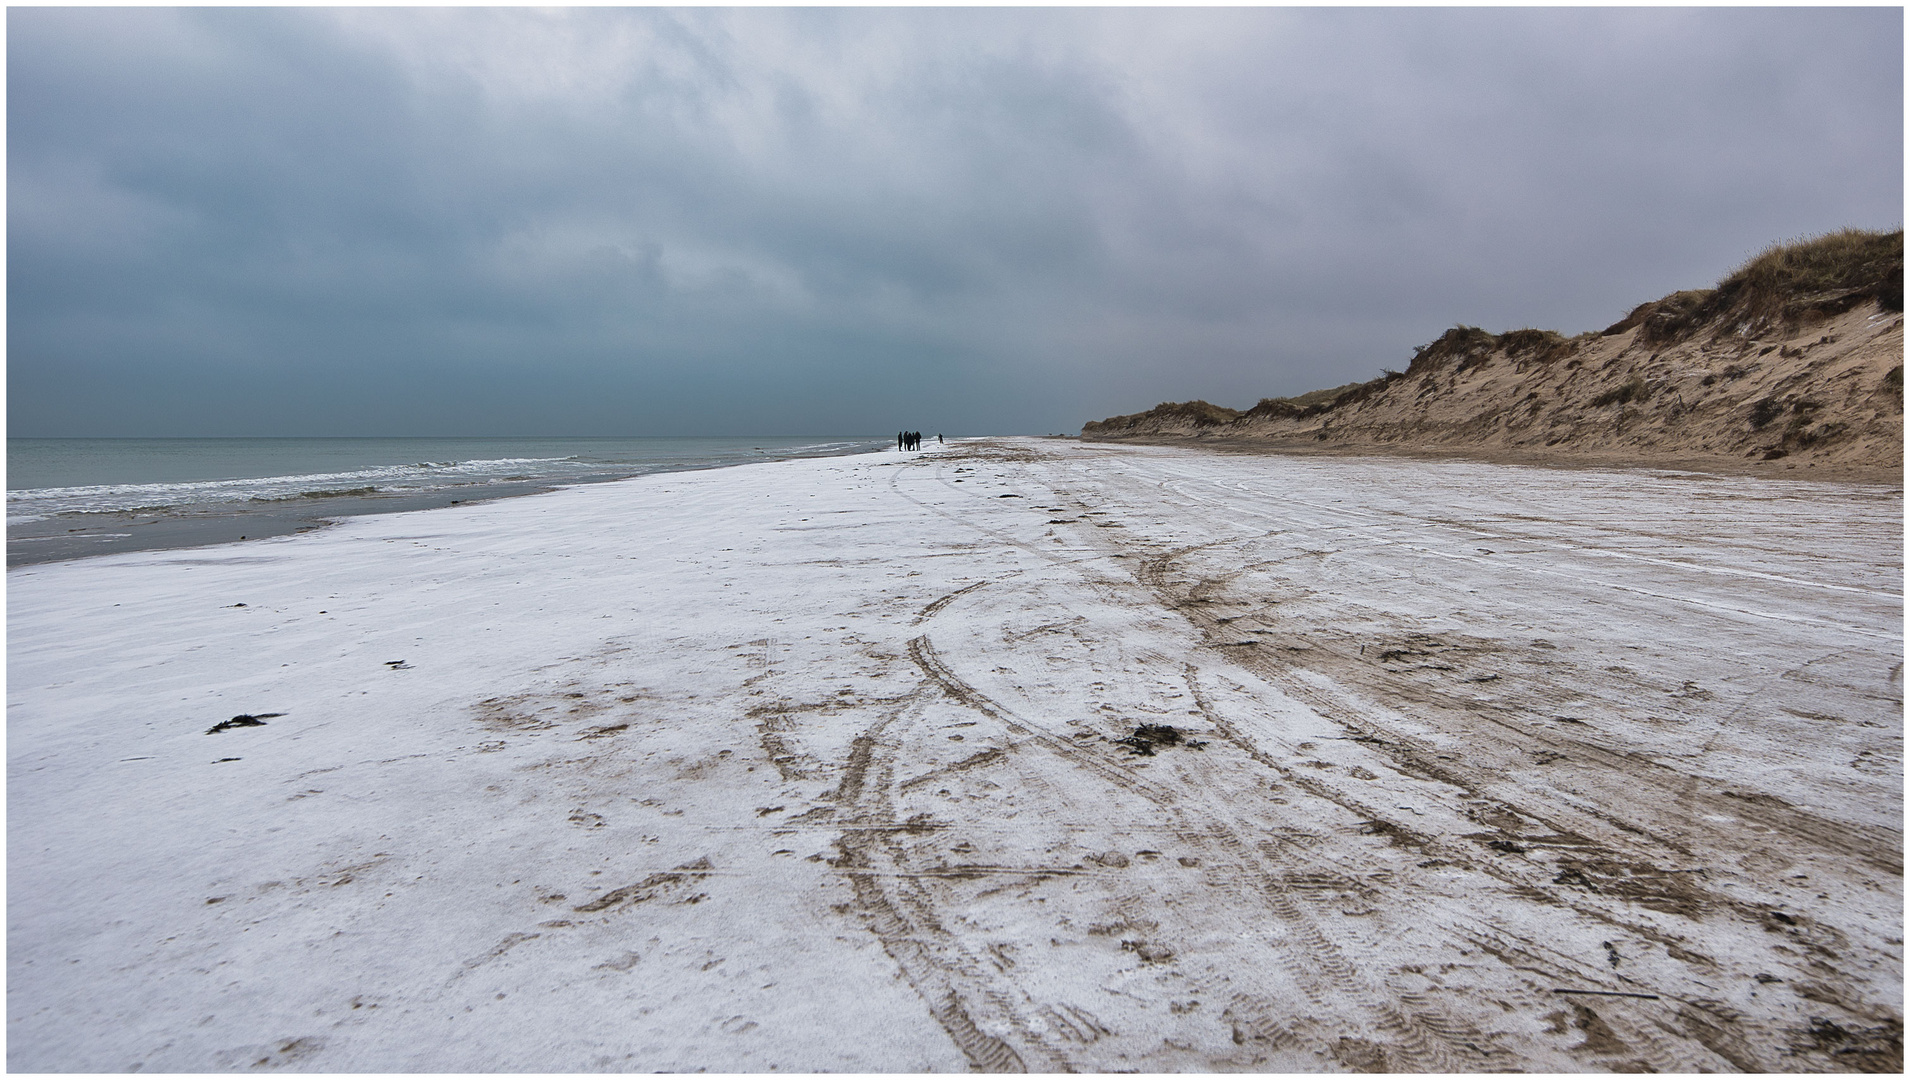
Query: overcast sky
[771,221]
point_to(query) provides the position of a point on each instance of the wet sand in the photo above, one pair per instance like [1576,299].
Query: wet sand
[83,535]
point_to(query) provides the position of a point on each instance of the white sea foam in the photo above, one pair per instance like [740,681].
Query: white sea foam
[34,504]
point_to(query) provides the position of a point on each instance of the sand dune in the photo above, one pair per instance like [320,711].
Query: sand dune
[1019,755]
[1777,372]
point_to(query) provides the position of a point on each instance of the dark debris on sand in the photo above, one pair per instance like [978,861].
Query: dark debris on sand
[1148,738]
[241,720]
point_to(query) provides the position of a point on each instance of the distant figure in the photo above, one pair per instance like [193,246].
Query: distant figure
[901,440]
[938,439]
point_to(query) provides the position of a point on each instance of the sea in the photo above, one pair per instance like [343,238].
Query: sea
[71,498]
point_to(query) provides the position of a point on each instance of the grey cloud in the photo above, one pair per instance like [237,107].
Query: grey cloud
[775,221]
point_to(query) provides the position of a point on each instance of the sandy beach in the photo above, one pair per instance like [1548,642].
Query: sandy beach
[1015,754]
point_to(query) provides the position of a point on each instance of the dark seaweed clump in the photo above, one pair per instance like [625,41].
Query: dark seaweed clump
[1148,738]
[241,720]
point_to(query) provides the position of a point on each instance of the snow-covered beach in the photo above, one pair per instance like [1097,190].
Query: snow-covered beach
[865,764]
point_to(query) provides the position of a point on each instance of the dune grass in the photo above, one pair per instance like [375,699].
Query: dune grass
[1784,284]
[1835,262]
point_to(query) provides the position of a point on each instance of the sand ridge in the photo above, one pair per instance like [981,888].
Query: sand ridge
[1725,380]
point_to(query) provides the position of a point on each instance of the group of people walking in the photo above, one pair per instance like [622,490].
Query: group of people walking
[910,440]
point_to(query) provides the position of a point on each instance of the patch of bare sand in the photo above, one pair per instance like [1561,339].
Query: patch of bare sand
[1547,459]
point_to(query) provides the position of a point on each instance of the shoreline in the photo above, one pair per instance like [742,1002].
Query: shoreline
[107,532]
[67,535]
[1012,752]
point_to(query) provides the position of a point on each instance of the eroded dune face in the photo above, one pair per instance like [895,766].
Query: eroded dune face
[1023,755]
[1772,382]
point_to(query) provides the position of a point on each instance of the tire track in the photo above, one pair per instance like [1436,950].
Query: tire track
[1318,963]
[926,658]
[875,862]
[1726,1031]
[929,611]
[1417,757]
[1282,877]
[1507,871]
